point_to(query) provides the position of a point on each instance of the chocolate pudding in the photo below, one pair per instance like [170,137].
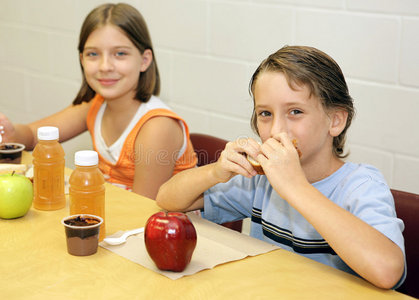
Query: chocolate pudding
[82,233]
[81,221]
[82,247]
[11,153]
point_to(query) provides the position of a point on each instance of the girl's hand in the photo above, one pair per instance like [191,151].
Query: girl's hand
[7,129]
[281,164]
[232,161]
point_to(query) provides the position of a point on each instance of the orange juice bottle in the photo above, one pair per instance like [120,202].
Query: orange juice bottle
[48,170]
[87,192]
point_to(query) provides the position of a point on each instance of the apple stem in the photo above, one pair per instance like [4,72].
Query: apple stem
[13,173]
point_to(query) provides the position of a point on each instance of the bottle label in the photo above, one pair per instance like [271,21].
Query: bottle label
[49,183]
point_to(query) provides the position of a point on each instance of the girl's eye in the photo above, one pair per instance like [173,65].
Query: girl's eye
[264,113]
[121,53]
[91,54]
[296,112]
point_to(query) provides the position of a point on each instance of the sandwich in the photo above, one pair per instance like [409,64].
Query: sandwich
[258,168]
[9,168]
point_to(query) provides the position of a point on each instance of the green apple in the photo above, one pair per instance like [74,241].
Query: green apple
[16,195]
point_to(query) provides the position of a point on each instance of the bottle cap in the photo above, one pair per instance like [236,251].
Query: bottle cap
[86,158]
[48,133]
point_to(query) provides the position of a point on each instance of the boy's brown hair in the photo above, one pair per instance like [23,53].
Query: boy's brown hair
[311,67]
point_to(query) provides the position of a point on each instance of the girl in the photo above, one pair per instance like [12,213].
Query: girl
[140,141]
[337,213]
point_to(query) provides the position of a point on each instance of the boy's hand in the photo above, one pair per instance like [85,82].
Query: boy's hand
[280,161]
[232,161]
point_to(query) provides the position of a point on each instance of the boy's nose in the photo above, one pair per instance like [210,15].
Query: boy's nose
[278,125]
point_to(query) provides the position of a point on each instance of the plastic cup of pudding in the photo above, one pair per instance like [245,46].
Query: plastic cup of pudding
[82,233]
[11,153]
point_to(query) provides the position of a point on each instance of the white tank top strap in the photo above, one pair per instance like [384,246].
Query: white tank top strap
[111,153]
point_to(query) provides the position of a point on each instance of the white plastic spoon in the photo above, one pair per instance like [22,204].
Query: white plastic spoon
[123,238]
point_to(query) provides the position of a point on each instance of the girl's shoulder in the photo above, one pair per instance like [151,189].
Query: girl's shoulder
[155,103]
[156,122]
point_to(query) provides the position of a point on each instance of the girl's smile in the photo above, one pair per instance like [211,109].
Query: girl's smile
[112,63]
[108,82]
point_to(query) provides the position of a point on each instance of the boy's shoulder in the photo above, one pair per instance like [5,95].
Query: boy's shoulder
[353,178]
[361,172]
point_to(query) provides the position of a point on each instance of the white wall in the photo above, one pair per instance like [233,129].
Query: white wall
[207,51]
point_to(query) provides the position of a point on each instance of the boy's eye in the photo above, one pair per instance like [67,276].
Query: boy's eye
[296,112]
[121,53]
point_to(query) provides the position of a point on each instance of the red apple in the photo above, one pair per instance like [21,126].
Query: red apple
[170,240]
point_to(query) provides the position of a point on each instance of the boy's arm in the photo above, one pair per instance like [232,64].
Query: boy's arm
[366,250]
[363,248]
[184,191]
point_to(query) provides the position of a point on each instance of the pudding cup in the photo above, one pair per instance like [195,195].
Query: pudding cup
[82,233]
[11,153]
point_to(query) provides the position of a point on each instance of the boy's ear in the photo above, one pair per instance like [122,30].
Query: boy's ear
[147,58]
[338,122]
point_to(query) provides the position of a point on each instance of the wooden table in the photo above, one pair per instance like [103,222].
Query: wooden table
[34,264]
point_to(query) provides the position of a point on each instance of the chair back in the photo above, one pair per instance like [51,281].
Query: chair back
[407,209]
[208,149]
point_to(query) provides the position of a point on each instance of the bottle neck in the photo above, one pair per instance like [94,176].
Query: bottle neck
[48,141]
[86,167]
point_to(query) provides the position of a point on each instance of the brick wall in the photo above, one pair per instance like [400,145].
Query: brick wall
[207,51]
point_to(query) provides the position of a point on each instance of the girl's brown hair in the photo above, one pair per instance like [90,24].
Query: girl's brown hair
[313,68]
[128,19]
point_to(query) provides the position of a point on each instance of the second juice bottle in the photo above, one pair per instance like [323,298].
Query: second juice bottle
[87,191]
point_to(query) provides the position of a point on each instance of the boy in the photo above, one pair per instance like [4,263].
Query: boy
[341,214]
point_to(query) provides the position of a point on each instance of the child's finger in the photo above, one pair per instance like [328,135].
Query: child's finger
[262,159]
[233,161]
[247,145]
[288,143]
[285,140]
[243,165]
[270,147]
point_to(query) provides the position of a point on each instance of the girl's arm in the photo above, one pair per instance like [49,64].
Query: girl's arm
[71,121]
[184,191]
[367,251]
[156,149]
